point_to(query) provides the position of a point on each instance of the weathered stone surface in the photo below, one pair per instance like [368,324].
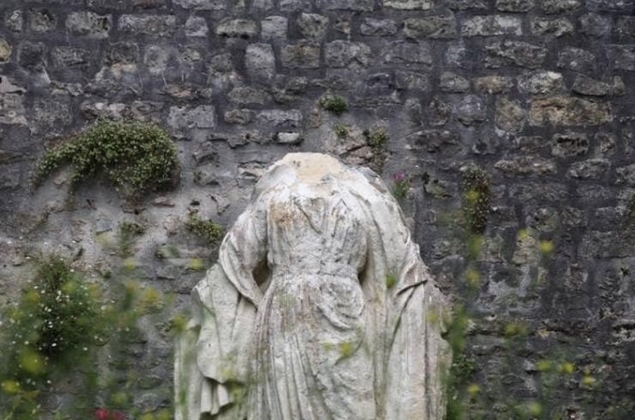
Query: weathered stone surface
[156,58]
[378,27]
[239,116]
[409,4]
[493,84]
[89,24]
[154,25]
[188,117]
[280,118]
[202,4]
[295,5]
[286,137]
[452,82]
[589,169]
[301,55]
[551,27]
[196,27]
[491,25]
[237,28]
[471,110]
[569,111]
[595,26]
[569,144]
[510,116]
[559,6]
[576,59]
[345,53]
[586,86]
[248,96]
[521,54]
[313,25]
[625,26]
[407,52]
[260,61]
[41,20]
[356,5]
[32,55]
[273,28]
[517,6]
[435,141]
[619,88]
[5,50]
[435,27]
[466,4]
[623,57]
[541,83]
[526,165]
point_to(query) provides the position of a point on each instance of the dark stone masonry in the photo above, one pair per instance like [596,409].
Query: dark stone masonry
[539,94]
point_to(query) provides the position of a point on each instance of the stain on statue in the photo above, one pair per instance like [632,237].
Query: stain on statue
[319,308]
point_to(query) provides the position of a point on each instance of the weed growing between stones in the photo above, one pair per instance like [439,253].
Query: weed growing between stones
[401,185]
[208,230]
[134,157]
[476,199]
[55,335]
[340,131]
[377,139]
[127,232]
[335,104]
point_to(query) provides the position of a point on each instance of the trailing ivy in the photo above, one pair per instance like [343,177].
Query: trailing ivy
[135,157]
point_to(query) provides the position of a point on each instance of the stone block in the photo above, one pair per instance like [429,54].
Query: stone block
[471,110]
[559,6]
[435,27]
[313,25]
[510,116]
[12,109]
[248,96]
[626,175]
[32,55]
[196,27]
[156,58]
[611,6]
[595,26]
[260,61]
[187,117]
[273,28]
[622,57]
[493,85]
[589,169]
[201,4]
[378,27]
[517,53]
[296,5]
[5,50]
[453,83]
[436,141]
[514,6]
[399,52]
[301,55]
[343,53]
[280,118]
[551,27]
[461,5]
[152,25]
[239,116]
[569,144]
[41,20]
[89,24]
[540,82]
[355,5]
[415,81]
[237,28]
[586,86]
[14,21]
[563,111]
[576,59]
[409,4]
[492,25]
[526,165]
[71,57]
[625,26]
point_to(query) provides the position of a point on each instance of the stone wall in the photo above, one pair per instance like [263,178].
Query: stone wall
[537,93]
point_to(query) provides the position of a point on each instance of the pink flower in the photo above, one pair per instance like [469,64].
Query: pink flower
[103,414]
[399,177]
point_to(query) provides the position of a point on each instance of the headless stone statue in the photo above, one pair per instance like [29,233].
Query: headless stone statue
[319,308]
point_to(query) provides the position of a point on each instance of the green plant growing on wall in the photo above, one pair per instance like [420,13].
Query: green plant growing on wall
[340,131]
[210,231]
[476,199]
[135,157]
[127,232]
[335,104]
[377,140]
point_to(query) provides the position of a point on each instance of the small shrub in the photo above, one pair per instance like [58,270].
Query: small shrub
[134,157]
[401,185]
[377,138]
[210,231]
[340,131]
[335,104]
[476,199]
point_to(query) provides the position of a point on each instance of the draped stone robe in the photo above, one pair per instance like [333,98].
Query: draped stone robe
[318,308]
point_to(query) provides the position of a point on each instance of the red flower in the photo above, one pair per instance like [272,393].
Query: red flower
[103,414]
